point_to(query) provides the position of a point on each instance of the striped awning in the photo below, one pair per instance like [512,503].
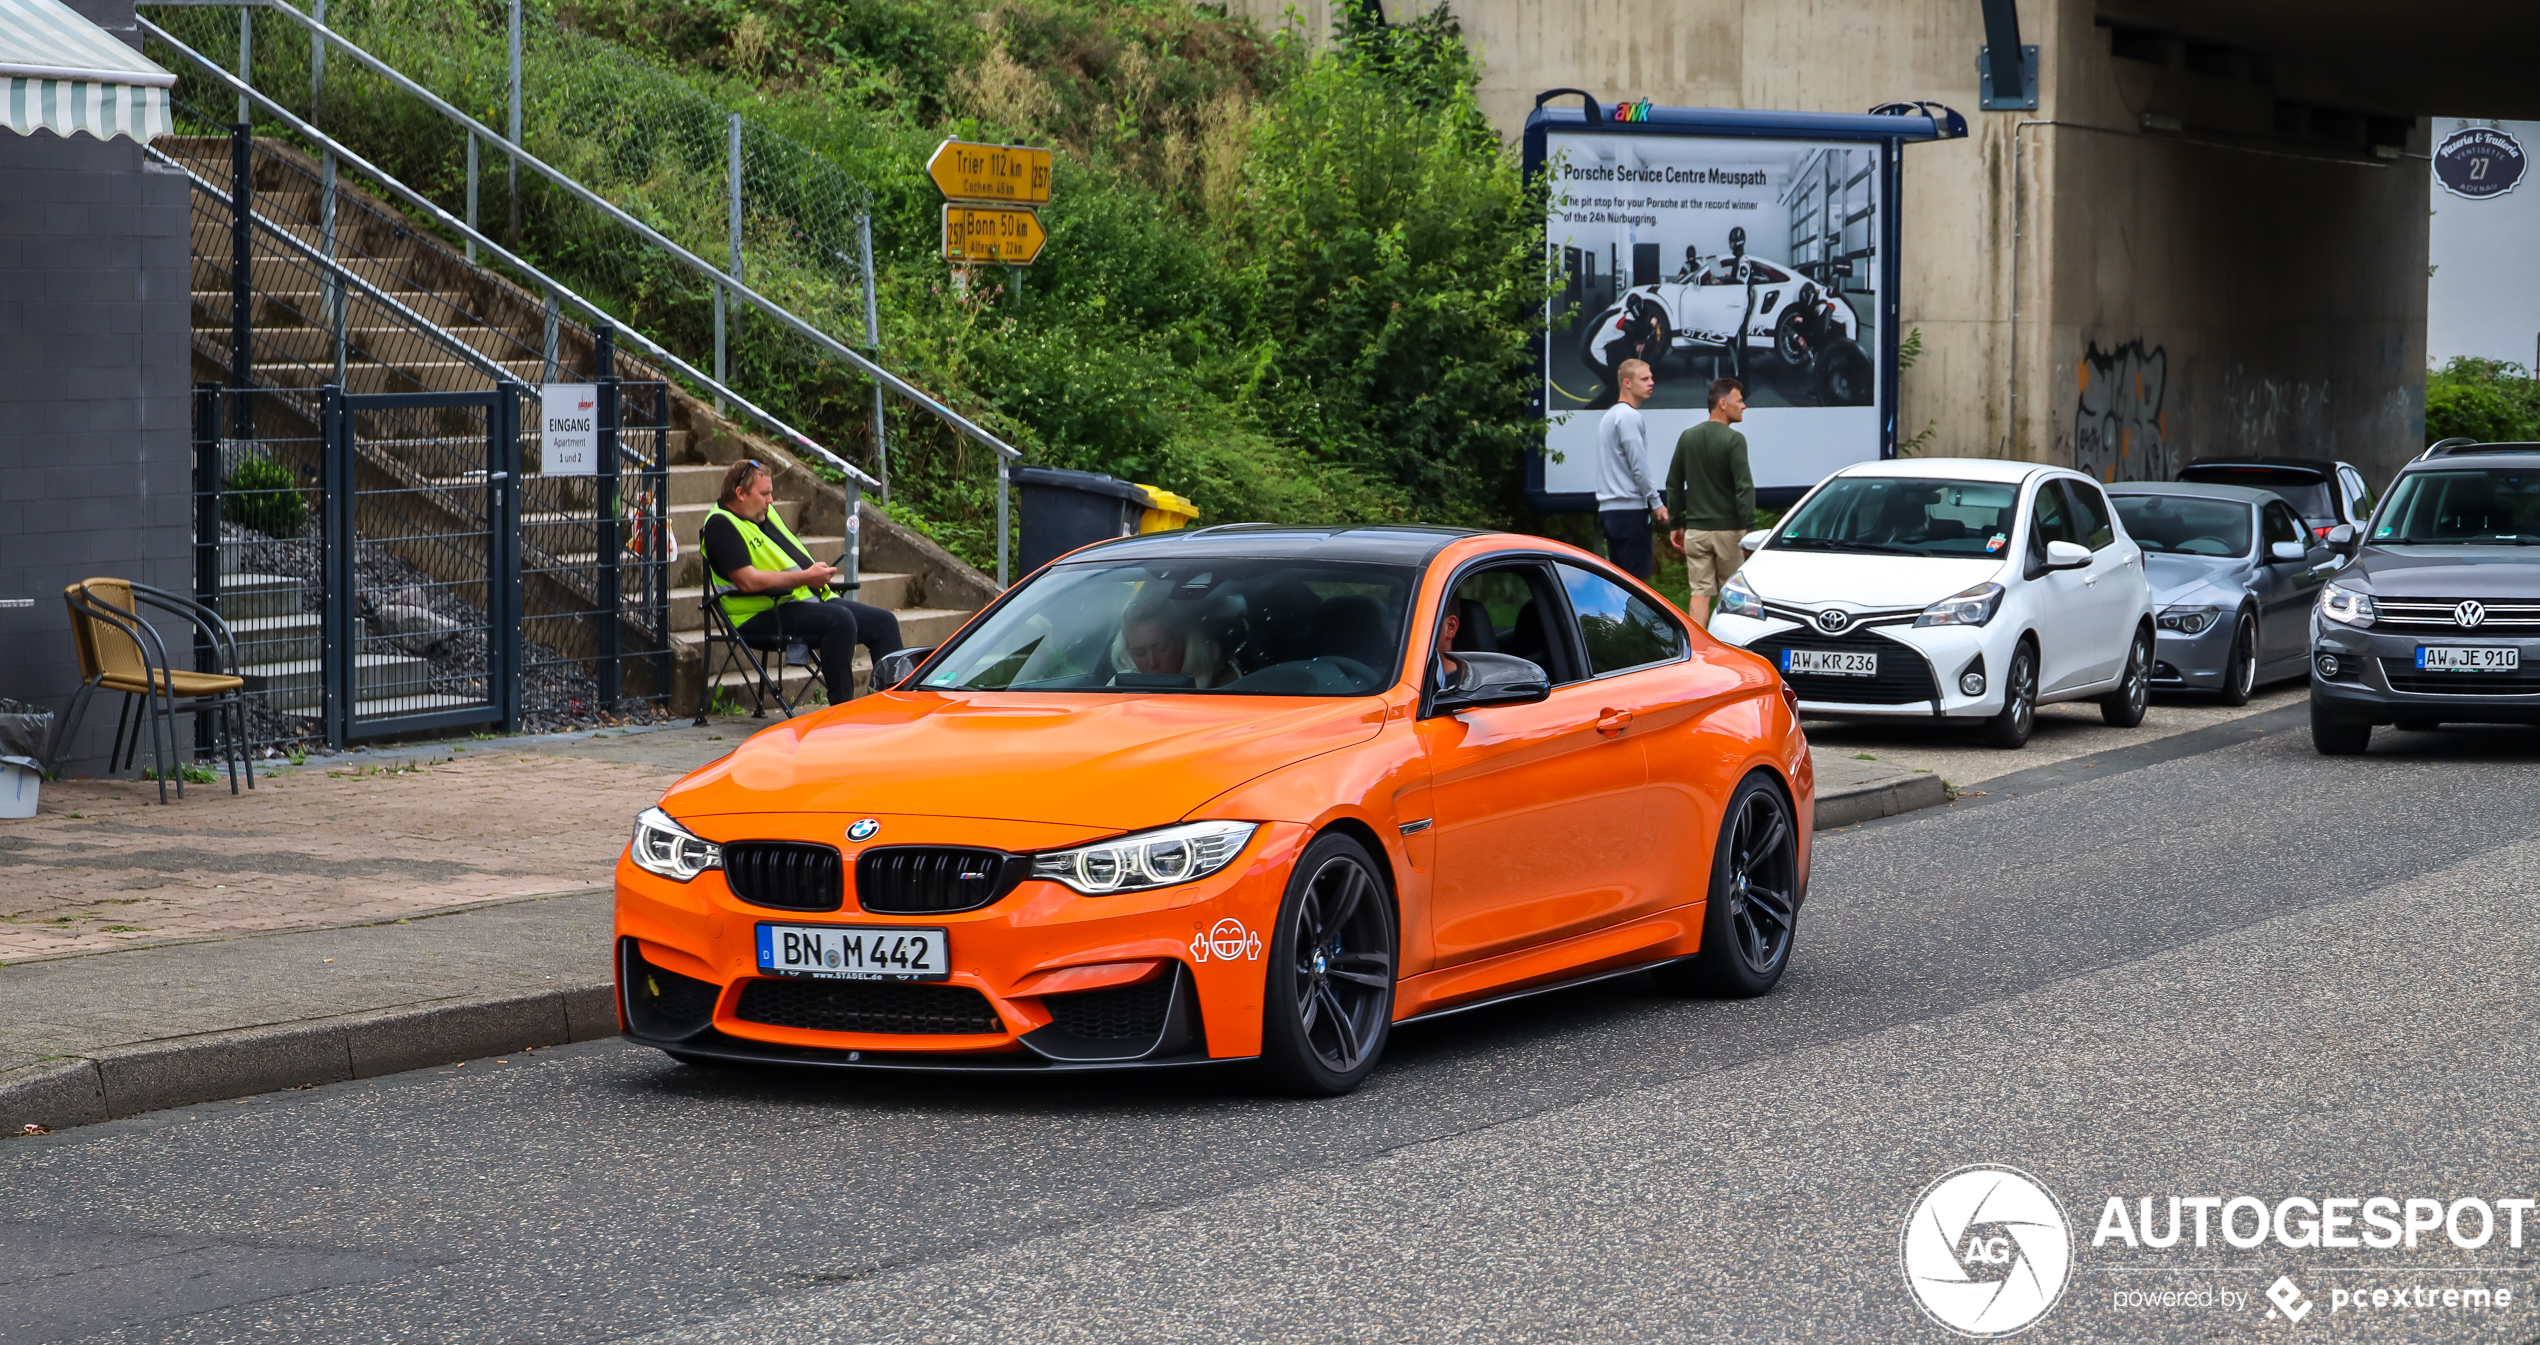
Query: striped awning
[67,75]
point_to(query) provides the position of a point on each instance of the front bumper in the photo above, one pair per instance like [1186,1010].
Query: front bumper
[1023,977]
[2377,680]
[2200,662]
[1939,656]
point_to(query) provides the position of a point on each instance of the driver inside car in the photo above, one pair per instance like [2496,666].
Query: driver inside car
[1157,640]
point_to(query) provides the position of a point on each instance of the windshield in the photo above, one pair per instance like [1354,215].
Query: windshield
[2185,526]
[2306,493]
[2466,506]
[1230,626]
[1904,516]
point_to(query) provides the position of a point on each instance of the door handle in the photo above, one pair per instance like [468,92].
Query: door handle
[1611,723]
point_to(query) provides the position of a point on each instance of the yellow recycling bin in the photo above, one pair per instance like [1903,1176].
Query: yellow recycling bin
[1165,511]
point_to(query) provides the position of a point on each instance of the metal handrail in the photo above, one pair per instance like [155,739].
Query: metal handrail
[364,166]
[376,295]
[642,230]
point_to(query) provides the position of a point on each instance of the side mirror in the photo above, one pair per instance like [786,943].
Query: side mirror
[2066,555]
[2294,551]
[1753,541]
[2342,535]
[897,666]
[1492,679]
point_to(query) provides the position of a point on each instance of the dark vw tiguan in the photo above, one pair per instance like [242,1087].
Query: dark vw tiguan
[2438,619]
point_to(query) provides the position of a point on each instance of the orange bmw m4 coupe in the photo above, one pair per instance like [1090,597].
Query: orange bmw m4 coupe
[1242,793]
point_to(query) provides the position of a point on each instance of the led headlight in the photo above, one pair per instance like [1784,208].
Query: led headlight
[2188,620]
[1974,607]
[2345,605]
[1737,599]
[1158,858]
[663,846]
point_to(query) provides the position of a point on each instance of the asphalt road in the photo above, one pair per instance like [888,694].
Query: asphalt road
[2218,965]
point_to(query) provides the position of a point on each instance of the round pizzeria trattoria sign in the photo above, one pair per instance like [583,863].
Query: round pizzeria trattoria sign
[2479,161]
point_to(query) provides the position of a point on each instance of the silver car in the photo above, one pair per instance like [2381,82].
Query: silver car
[2234,572]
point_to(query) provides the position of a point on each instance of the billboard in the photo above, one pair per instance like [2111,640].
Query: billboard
[1721,243]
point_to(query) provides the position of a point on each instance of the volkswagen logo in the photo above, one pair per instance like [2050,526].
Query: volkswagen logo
[2470,614]
[1833,621]
[863,831]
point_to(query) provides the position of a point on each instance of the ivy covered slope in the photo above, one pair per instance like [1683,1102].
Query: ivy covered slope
[1293,286]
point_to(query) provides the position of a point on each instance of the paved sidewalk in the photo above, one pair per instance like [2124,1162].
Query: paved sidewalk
[2063,733]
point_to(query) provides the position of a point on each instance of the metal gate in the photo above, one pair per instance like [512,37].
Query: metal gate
[421,530]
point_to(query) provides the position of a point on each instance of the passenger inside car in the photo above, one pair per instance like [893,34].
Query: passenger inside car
[1157,640]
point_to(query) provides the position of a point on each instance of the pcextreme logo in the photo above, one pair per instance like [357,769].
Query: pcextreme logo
[1986,1251]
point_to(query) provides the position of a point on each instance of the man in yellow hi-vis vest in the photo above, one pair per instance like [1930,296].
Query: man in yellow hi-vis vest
[782,591]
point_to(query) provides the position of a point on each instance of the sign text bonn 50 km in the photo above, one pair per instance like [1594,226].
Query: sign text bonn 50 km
[1004,182]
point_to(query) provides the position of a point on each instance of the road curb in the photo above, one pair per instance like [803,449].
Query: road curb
[1885,798]
[148,1076]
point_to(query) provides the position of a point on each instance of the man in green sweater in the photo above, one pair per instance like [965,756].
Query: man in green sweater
[1712,493]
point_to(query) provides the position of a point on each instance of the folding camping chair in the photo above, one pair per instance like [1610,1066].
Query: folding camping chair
[745,656]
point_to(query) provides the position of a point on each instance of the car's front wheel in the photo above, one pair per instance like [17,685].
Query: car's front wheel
[2335,737]
[2240,676]
[1328,1006]
[2010,728]
[1753,910]
[2124,707]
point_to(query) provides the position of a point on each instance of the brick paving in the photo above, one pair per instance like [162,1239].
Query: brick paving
[103,866]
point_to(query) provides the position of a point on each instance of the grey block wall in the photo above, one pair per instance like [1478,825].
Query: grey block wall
[96,471]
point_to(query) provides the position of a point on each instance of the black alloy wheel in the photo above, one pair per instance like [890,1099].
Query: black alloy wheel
[2335,737]
[2124,707]
[2010,728]
[1753,909]
[1328,1007]
[2240,676]
[1846,377]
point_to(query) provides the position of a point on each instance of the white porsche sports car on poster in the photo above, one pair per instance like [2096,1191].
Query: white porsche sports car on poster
[1733,309]
[1949,590]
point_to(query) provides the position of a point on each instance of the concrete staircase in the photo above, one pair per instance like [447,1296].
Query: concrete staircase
[279,648]
[931,591]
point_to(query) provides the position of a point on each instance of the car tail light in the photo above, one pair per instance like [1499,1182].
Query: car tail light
[1790,697]
[2320,529]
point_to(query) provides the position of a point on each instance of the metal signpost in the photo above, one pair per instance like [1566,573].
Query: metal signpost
[991,193]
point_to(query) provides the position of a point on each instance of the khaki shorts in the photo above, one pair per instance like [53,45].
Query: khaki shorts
[1710,558]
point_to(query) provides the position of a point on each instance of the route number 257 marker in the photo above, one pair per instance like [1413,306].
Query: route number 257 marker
[989,192]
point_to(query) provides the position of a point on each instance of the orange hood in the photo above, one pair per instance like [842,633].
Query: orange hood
[1116,763]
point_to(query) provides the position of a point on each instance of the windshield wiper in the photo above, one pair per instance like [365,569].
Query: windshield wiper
[1823,544]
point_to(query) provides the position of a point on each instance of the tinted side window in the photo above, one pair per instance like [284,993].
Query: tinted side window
[2048,521]
[2090,515]
[2356,490]
[1504,611]
[1618,629]
[2281,526]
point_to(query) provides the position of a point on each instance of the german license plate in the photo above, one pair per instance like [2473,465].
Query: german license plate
[1839,663]
[2472,658]
[853,952]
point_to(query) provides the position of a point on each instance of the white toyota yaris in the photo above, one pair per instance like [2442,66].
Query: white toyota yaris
[1963,589]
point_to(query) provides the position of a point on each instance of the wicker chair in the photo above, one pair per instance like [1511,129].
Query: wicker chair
[119,651]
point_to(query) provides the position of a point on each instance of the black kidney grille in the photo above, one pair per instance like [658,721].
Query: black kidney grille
[906,1007]
[934,879]
[1120,1013]
[785,875]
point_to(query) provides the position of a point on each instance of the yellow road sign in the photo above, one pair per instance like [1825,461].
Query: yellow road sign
[1014,174]
[992,233]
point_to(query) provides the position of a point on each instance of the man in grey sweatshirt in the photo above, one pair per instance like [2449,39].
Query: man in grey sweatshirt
[1626,490]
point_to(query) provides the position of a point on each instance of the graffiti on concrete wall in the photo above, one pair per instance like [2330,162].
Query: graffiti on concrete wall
[2120,432]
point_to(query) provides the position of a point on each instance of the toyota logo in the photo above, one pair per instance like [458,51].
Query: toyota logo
[2470,614]
[1832,621]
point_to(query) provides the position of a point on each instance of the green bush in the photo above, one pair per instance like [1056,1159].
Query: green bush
[2495,401]
[263,494]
